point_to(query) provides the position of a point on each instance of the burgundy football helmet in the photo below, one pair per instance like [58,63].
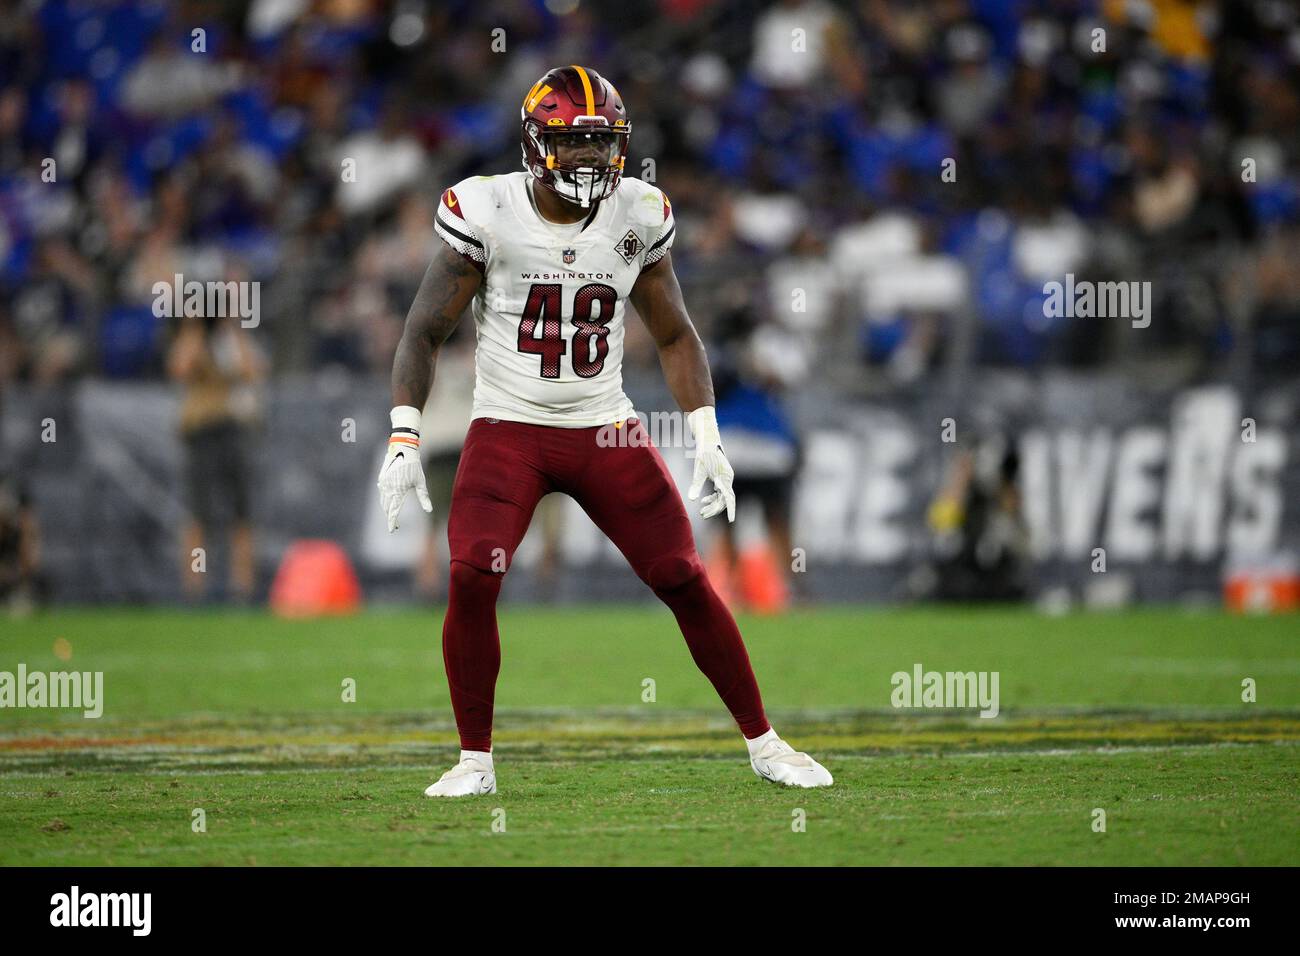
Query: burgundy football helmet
[577,110]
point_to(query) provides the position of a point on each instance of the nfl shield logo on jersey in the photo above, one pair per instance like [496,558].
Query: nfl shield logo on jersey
[569,256]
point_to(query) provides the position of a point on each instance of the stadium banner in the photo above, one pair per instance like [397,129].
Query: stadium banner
[1057,487]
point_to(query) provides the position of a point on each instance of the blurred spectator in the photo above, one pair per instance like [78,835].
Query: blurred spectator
[755,362]
[980,536]
[383,161]
[51,313]
[169,81]
[790,43]
[21,583]
[216,363]
[1276,320]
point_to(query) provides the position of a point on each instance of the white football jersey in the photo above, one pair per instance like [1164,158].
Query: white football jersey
[549,312]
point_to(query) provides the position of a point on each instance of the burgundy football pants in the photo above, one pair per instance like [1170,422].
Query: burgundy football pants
[505,469]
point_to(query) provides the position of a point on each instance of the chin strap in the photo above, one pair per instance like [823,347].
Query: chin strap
[585,202]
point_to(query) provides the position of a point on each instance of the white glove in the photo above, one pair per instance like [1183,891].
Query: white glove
[401,470]
[711,463]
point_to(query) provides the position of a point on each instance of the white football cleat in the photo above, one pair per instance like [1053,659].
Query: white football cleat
[778,762]
[469,778]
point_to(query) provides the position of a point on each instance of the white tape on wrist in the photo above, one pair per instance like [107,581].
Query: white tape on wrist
[405,420]
[704,426]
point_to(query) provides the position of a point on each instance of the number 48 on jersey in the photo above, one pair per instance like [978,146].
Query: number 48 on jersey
[593,305]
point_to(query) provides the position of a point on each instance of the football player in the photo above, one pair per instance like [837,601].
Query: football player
[547,259]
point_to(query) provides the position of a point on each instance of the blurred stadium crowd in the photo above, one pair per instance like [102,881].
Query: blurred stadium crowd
[808,171]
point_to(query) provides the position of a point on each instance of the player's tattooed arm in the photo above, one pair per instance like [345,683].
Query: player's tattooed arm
[446,289]
[657,298]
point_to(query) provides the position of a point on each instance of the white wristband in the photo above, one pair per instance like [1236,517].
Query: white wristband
[405,416]
[704,426]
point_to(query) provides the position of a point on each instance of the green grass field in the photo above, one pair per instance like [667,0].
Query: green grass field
[241,715]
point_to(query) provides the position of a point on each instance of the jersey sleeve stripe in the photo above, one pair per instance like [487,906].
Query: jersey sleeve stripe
[660,249]
[470,248]
[665,237]
[447,227]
